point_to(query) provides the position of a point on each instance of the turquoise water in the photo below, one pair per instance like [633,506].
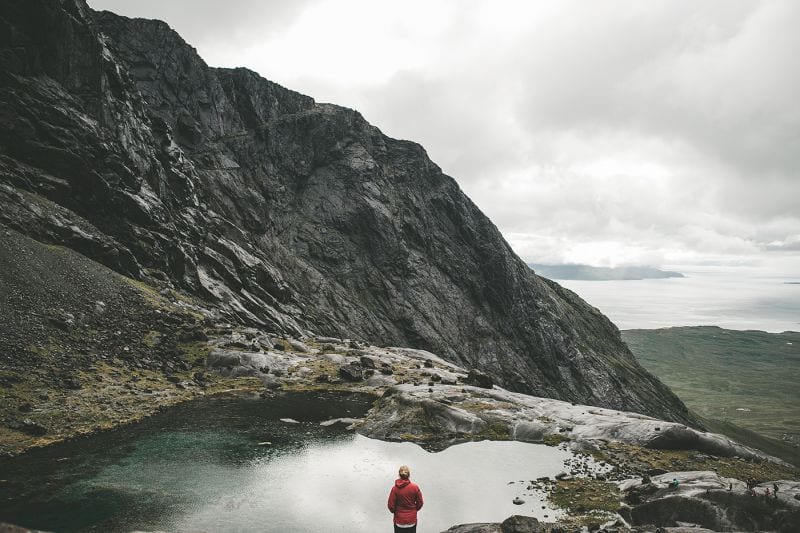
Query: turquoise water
[205,467]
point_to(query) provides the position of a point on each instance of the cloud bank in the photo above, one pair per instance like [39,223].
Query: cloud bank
[607,133]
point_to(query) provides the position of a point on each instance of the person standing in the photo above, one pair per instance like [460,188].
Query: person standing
[405,499]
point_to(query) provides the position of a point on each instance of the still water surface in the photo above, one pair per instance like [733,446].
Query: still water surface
[728,299]
[201,467]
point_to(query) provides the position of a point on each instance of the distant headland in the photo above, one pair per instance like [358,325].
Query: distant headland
[592,273]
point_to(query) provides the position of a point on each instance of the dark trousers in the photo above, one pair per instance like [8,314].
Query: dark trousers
[412,529]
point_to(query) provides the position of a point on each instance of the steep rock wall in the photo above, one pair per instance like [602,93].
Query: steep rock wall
[286,213]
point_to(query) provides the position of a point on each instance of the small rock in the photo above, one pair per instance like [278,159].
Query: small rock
[342,421]
[270,382]
[298,346]
[30,427]
[72,384]
[517,501]
[367,362]
[428,363]
[479,379]
[351,372]
[264,343]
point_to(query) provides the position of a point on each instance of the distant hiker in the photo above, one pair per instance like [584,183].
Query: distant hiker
[674,484]
[775,490]
[405,500]
[766,492]
[730,487]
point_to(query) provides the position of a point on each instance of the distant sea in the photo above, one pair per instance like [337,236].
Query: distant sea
[728,299]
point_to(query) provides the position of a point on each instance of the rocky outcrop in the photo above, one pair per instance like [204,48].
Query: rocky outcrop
[464,410]
[117,140]
[709,500]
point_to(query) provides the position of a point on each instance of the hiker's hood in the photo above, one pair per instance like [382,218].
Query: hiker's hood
[400,483]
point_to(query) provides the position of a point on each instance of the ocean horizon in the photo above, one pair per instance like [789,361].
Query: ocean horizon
[729,298]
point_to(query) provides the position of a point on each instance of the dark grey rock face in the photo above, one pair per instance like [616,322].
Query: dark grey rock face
[117,140]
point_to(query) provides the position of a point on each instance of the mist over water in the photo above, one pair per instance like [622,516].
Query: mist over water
[725,298]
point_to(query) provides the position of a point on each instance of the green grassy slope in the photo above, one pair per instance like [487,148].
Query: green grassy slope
[749,379]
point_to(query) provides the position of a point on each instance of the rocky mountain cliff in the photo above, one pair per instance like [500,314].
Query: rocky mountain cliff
[118,141]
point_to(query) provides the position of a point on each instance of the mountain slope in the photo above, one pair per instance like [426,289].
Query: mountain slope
[288,214]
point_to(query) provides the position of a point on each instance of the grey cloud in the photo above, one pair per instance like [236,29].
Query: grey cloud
[704,93]
[206,24]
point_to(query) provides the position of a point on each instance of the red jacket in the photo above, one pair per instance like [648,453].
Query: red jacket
[404,501]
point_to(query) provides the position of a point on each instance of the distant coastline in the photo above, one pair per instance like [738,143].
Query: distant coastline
[592,273]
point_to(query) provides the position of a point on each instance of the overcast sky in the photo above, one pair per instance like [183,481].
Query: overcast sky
[611,133]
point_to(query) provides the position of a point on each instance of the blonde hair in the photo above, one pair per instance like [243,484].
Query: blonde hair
[404,472]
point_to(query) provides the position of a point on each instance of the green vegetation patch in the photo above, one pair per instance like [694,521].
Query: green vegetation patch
[630,461]
[495,431]
[582,495]
[747,378]
[554,439]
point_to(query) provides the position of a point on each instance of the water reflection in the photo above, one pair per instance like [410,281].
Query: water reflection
[201,467]
[343,486]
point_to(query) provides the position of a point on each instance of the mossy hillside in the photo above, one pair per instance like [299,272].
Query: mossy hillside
[84,349]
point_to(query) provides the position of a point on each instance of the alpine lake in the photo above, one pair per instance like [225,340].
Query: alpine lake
[231,464]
